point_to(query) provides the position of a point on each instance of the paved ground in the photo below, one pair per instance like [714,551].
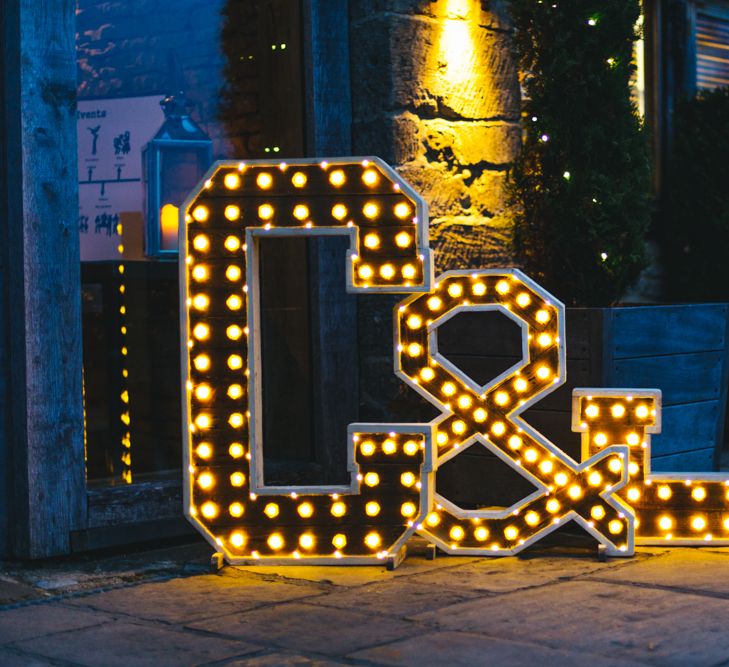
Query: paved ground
[556,607]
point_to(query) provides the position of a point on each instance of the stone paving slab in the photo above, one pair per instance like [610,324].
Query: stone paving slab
[194,598]
[462,649]
[615,621]
[399,597]
[310,628]
[500,575]
[683,569]
[279,659]
[10,657]
[43,619]
[557,607]
[121,644]
[357,575]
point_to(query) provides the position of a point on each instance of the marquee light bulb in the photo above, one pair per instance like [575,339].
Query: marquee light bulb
[231,181]
[618,410]
[389,446]
[435,303]
[403,240]
[370,177]
[339,211]
[481,534]
[402,210]
[201,243]
[457,533]
[365,272]
[372,241]
[203,392]
[373,540]
[200,273]
[367,448]
[339,541]
[305,510]
[209,510]
[234,302]
[235,391]
[271,510]
[265,211]
[298,179]
[371,210]
[234,332]
[371,479]
[372,508]
[387,271]
[301,212]
[232,212]
[233,273]
[427,374]
[236,450]
[337,178]
[204,450]
[408,510]
[200,302]
[201,331]
[414,322]
[200,213]
[338,509]
[264,180]
[523,300]
[275,541]
[433,519]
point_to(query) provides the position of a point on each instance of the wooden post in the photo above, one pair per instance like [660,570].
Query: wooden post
[334,312]
[43,448]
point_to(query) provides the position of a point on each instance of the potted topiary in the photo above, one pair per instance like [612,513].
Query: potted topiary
[581,203]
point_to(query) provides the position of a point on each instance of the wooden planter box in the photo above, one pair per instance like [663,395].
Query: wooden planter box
[681,350]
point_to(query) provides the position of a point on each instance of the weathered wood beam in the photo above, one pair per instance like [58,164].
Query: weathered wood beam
[41,306]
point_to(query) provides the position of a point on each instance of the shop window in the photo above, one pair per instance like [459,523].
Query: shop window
[164,89]
[712,46]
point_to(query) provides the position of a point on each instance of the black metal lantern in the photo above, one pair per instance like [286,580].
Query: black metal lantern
[174,161]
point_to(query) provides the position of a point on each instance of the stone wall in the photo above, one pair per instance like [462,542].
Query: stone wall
[435,92]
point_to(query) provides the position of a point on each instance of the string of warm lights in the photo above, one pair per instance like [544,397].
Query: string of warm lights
[124,417]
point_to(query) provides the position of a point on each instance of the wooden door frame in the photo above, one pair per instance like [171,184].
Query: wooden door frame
[42,450]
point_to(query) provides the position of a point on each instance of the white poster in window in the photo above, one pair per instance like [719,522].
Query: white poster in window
[111,136]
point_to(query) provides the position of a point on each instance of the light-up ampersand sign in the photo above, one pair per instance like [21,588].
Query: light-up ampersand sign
[489,416]
[390,465]
[670,508]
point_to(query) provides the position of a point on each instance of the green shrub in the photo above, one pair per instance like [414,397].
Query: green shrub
[580,190]
[694,224]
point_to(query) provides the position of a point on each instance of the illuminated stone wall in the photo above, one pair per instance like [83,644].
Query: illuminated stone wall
[435,92]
